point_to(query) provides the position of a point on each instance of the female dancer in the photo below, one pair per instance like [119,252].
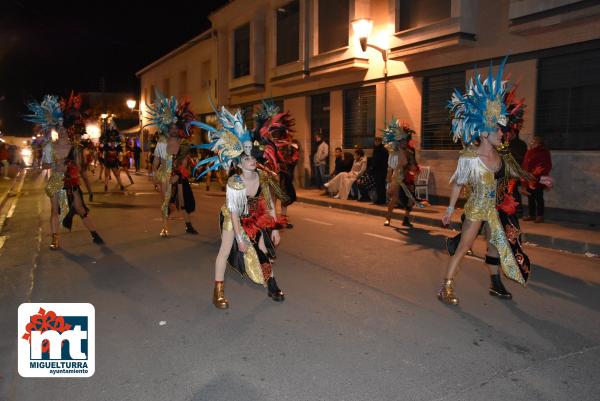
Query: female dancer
[401,162]
[63,184]
[478,118]
[173,121]
[248,220]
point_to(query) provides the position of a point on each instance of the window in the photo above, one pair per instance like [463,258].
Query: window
[166,87]
[182,83]
[417,13]
[333,24]
[436,122]
[241,51]
[205,75]
[568,105]
[359,117]
[288,33]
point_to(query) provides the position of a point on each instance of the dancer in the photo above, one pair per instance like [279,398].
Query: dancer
[124,163]
[506,204]
[173,121]
[111,148]
[63,184]
[182,195]
[248,220]
[274,132]
[401,162]
[478,118]
[75,120]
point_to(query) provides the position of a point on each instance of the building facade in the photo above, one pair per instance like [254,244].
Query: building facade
[306,56]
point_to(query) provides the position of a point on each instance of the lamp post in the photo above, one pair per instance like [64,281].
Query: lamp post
[131,103]
[362,28]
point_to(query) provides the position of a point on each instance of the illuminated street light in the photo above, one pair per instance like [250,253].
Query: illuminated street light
[131,104]
[362,29]
[104,116]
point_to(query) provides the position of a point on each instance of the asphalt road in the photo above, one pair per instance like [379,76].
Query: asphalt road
[360,320]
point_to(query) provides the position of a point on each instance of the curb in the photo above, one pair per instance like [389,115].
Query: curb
[546,241]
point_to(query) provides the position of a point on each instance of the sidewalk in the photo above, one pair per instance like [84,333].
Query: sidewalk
[571,237]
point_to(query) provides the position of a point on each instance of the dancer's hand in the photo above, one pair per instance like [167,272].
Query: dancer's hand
[275,237]
[447,216]
[242,245]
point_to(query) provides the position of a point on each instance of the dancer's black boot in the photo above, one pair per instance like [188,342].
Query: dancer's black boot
[96,238]
[496,287]
[190,229]
[274,292]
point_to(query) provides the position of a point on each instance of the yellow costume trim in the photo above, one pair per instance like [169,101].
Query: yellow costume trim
[164,176]
[251,263]
[481,206]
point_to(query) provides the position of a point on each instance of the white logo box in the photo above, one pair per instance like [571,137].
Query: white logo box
[79,364]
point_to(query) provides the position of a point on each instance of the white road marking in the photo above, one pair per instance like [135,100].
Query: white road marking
[384,237]
[318,222]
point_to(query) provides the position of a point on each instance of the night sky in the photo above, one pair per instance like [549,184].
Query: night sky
[55,46]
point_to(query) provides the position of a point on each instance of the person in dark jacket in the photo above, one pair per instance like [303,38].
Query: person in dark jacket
[380,165]
[537,162]
[339,162]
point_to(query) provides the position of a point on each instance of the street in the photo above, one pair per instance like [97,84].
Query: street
[361,320]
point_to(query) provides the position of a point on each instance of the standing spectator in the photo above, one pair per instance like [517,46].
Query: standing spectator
[538,162]
[4,160]
[380,165]
[320,160]
[137,153]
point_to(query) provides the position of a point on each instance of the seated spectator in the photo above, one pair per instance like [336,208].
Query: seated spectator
[340,184]
[339,162]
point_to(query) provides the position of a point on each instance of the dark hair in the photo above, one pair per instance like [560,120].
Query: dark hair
[359,152]
[338,148]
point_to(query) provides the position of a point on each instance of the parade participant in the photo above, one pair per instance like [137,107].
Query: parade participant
[506,203]
[173,121]
[478,118]
[111,149]
[63,184]
[401,163]
[274,131]
[75,120]
[182,195]
[248,220]
[124,163]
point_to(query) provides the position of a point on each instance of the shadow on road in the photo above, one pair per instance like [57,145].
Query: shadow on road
[221,388]
[113,273]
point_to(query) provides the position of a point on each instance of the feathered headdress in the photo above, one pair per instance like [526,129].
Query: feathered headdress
[227,143]
[516,110]
[395,133]
[480,109]
[166,111]
[46,114]
[74,117]
[273,132]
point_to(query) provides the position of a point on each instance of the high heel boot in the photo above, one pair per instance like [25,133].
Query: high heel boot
[219,299]
[446,293]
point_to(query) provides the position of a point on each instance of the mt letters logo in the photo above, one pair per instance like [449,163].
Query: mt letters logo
[56,340]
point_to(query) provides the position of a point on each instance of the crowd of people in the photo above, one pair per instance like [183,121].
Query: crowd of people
[256,170]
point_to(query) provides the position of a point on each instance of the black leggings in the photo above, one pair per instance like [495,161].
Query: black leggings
[536,202]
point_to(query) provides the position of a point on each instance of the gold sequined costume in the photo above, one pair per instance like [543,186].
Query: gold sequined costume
[481,206]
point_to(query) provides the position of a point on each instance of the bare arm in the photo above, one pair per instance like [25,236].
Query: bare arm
[453,198]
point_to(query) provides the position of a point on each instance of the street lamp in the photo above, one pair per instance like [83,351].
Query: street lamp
[131,104]
[362,28]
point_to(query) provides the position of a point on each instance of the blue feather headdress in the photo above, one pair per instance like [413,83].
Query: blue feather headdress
[163,113]
[46,114]
[395,133]
[480,109]
[227,143]
[267,110]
